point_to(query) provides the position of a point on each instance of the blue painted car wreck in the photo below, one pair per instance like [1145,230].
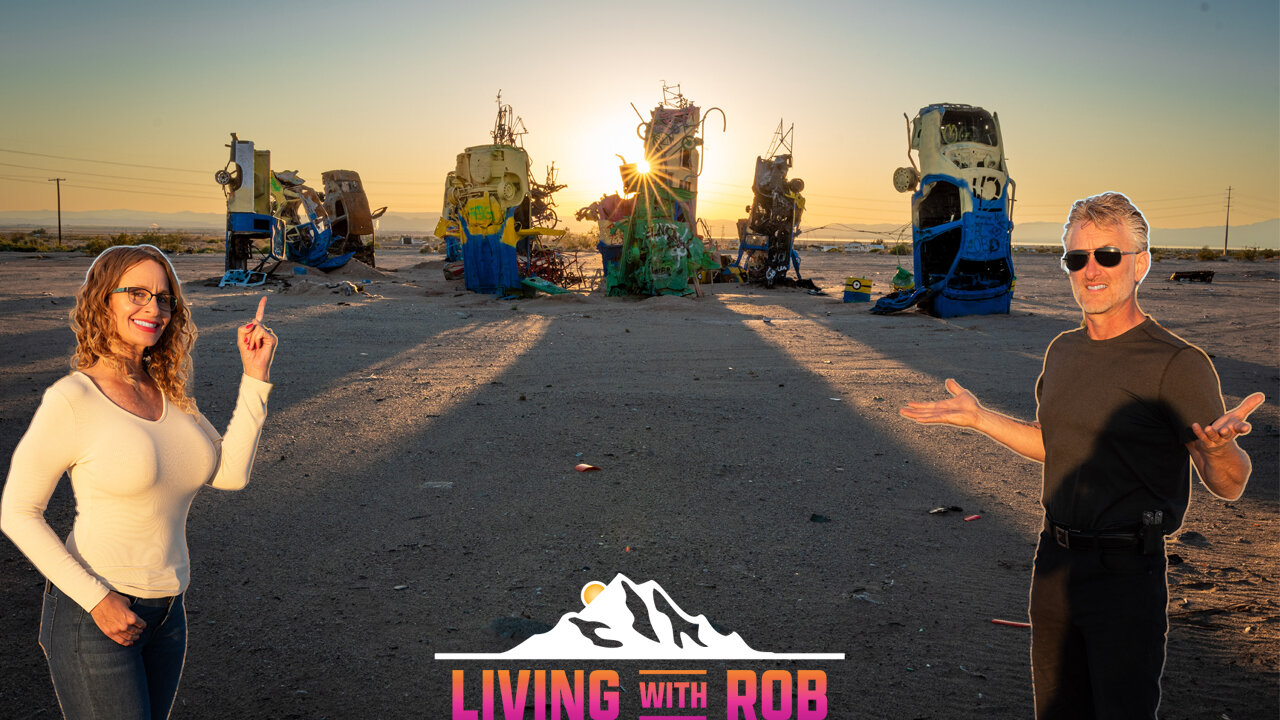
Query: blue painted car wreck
[961,214]
[322,230]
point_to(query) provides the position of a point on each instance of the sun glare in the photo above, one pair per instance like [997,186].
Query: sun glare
[642,167]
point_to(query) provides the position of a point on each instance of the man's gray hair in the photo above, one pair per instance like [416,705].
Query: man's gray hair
[1109,209]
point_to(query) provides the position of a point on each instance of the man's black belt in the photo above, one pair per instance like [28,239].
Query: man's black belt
[1104,540]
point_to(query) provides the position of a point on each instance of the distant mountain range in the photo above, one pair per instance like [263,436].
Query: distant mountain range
[1260,235]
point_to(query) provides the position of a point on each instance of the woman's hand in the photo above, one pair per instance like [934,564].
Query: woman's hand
[116,620]
[257,346]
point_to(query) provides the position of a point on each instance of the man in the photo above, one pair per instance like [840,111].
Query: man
[1123,405]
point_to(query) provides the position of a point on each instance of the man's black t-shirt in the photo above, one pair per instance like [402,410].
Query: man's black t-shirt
[1116,416]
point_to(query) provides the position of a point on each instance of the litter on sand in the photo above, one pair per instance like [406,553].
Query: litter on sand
[1204,276]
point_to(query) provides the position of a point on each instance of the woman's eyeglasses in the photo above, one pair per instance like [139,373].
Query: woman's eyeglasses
[1107,257]
[142,296]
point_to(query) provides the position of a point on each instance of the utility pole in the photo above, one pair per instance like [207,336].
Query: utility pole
[1226,230]
[59,182]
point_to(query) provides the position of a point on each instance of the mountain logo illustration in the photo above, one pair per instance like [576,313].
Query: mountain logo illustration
[628,621]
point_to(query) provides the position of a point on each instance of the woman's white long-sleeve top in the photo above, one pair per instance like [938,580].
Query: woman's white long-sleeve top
[133,480]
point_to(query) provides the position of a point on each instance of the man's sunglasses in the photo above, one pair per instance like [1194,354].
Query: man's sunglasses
[142,296]
[1075,260]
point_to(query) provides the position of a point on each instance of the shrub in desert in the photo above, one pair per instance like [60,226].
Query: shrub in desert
[576,241]
[169,242]
[1206,254]
[19,242]
[98,243]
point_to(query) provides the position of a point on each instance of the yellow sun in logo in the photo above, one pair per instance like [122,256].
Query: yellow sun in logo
[591,590]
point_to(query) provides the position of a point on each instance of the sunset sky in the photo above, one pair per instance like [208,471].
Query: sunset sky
[1169,101]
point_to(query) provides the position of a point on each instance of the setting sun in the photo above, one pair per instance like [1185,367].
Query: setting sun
[642,167]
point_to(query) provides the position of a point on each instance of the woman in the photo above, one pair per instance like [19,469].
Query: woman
[122,426]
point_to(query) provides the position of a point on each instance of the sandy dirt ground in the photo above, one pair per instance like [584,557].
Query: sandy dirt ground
[415,490]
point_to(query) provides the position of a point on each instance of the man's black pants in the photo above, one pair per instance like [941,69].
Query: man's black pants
[1098,624]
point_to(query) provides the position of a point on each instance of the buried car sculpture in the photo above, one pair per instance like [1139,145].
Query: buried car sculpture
[320,229]
[493,210]
[960,214]
[649,241]
[767,236]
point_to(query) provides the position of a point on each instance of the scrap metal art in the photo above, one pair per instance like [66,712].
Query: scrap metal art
[320,229]
[558,267]
[350,217]
[246,182]
[656,249]
[961,214]
[767,237]
[492,209]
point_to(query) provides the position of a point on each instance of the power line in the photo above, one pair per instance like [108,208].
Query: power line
[109,189]
[746,191]
[103,162]
[366,181]
[1166,216]
[114,177]
[21,179]
[1145,202]
[1254,205]
[142,192]
[1269,201]
[210,196]
[198,185]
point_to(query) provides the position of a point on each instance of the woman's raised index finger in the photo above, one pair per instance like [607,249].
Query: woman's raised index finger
[262,304]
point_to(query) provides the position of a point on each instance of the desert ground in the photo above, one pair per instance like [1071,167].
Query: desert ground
[415,490]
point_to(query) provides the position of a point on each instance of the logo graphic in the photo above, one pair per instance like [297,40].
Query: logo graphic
[626,621]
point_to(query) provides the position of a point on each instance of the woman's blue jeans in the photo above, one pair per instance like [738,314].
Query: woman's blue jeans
[96,677]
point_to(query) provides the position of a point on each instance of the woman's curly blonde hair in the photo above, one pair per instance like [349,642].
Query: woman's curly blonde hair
[168,362]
